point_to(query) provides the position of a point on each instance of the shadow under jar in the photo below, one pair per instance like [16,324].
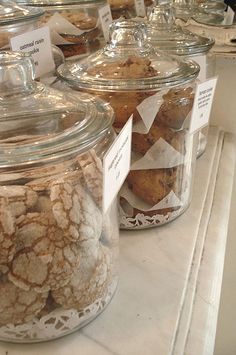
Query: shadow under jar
[157,91]
[74,24]
[58,251]
[163,34]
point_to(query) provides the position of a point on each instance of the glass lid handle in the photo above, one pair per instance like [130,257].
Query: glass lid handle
[127,33]
[16,73]
[162,14]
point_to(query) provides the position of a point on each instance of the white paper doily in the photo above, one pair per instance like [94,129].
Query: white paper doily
[57,323]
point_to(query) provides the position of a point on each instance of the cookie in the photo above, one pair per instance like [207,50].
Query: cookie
[175,108]
[88,283]
[17,305]
[152,185]
[141,143]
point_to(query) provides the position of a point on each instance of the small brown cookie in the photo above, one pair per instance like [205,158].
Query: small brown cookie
[152,185]
[175,108]
[141,143]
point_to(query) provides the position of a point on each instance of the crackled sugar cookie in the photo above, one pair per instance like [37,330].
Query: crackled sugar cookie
[7,233]
[91,167]
[44,259]
[75,211]
[88,283]
[17,305]
[20,198]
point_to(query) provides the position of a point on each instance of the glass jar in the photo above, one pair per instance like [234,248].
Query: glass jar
[74,24]
[213,7]
[157,92]
[164,34]
[15,20]
[58,252]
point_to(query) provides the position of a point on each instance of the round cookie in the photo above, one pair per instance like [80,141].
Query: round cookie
[141,143]
[44,259]
[75,212]
[175,108]
[19,306]
[88,283]
[7,233]
[152,185]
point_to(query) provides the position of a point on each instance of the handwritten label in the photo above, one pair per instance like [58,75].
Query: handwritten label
[229,16]
[116,165]
[140,8]
[105,19]
[201,60]
[38,44]
[202,104]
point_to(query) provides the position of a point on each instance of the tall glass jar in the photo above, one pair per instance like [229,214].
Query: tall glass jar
[164,34]
[58,251]
[157,91]
[74,24]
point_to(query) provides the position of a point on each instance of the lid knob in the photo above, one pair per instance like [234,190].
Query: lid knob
[16,73]
[127,33]
[162,15]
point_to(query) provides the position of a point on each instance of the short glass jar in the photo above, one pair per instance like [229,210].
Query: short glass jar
[157,91]
[164,34]
[58,250]
[74,24]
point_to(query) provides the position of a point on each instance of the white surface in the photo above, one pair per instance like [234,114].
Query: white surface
[225,336]
[223,109]
[160,270]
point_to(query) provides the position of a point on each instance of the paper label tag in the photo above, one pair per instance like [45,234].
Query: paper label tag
[38,44]
[229,16]
[105,19]
[140,8]
[116,165]
[201,60]
[202,104]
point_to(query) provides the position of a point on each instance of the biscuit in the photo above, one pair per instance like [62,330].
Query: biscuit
[141,143]
[175,108]
[152,185]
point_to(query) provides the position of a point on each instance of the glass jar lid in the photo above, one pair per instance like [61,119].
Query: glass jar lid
[11,13]
[37,122]
[60,2]
[208,18]
[212,6]
[163,33]
[128,62]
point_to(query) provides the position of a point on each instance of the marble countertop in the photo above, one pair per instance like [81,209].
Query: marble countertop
[170,277]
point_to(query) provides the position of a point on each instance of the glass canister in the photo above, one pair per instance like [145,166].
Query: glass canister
[58,252]
[184,8]
[157,91]
[15,20]
[74,24]
[164,34]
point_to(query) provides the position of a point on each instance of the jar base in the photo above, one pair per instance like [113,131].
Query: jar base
[58,323]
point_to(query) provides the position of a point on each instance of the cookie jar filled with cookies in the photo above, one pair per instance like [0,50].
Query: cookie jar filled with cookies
[58,250]
[164,34]
[157,92]
[15,20]
[74,24]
